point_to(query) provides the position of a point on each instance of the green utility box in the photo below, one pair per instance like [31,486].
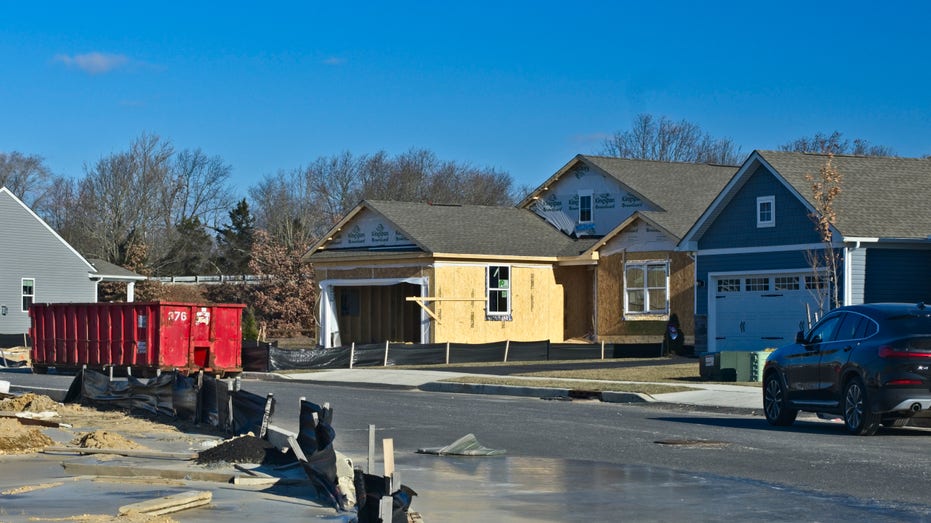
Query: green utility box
[732,365]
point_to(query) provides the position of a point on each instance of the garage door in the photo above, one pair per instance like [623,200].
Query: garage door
[755,312]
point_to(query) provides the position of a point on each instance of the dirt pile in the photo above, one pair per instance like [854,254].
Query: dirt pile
[29,403]
[102,439]
[16,438]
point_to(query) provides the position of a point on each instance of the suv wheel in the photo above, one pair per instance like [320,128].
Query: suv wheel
[775,403]
[858,418]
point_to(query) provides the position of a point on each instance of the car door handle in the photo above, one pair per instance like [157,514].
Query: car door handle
[848,348]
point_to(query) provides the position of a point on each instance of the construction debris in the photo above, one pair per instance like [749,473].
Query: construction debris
[168,504]
[467,445]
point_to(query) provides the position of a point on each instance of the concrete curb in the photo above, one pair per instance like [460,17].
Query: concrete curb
[626,397]
[501,390]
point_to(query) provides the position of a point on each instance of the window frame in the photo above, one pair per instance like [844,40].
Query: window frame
[505,294]
[31,297]
[591,206]
[760,202]
[648,309]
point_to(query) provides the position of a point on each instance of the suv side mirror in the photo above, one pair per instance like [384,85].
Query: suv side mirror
[800,337]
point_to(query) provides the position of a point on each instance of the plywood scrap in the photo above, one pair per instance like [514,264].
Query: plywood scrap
[169,504]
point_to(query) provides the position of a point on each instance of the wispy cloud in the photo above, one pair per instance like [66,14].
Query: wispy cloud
[334,60]
[93,63]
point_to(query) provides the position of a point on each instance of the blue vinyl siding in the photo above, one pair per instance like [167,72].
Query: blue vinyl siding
[740,263]
[736,225]
[897,275]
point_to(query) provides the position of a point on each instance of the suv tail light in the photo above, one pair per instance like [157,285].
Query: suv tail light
[887,351]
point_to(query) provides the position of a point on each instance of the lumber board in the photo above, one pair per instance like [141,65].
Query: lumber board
[168,504]
[84,469]
[131,453]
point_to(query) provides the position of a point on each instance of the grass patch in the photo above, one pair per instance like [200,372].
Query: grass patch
[598,386]
[680,372]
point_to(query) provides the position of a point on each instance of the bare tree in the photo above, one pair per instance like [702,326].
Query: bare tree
[299,206]
[117,198]
[835,144]
[28,178]
[665,140]
[825,187]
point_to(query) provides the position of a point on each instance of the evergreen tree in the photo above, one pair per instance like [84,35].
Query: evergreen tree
[234,241]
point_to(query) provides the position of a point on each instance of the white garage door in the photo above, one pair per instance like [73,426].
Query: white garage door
[759,311]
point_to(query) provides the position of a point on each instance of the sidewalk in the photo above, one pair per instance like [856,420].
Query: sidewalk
[704,394]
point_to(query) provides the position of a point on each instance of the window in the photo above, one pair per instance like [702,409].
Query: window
[647,286]
[757,284]
[585,207]
[824,331]
[29,292]
[786,283]
[816,283]
[729,285]
[499,297]
[766,211]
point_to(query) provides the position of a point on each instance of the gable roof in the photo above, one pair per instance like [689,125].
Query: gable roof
[9,194]
[107,271]
[881,197]
[682,190]
[464,229]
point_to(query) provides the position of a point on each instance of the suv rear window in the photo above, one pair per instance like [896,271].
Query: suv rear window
[911,323]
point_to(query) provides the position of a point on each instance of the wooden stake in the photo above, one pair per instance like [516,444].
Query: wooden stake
[371,465]
[602,349]
[507,347]
[447,353]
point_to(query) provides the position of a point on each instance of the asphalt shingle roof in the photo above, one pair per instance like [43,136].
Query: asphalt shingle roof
[683,190]
[476,229]
[880,197]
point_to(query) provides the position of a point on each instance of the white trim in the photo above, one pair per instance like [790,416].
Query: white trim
[771,200]
[328,326]
[628,314]
[710,296]
[770,248]
[486,264]
[22,283]
[509,292]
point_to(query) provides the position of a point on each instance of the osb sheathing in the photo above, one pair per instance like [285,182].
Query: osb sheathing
[578,310]
[612,327]
[368,273]
[536,306]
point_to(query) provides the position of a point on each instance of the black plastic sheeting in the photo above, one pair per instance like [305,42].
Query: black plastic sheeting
[174,395]
[265,357]
[315,438]
[162,395]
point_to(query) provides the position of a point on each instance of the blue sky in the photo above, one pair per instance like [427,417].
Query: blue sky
[519,86]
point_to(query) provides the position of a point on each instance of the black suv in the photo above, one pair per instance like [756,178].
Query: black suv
[868,364]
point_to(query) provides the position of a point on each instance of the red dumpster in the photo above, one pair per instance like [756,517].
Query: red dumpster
[151,336]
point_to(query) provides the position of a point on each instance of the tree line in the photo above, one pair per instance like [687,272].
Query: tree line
[162,211]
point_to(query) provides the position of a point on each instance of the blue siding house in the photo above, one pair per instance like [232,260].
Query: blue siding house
[757,278]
